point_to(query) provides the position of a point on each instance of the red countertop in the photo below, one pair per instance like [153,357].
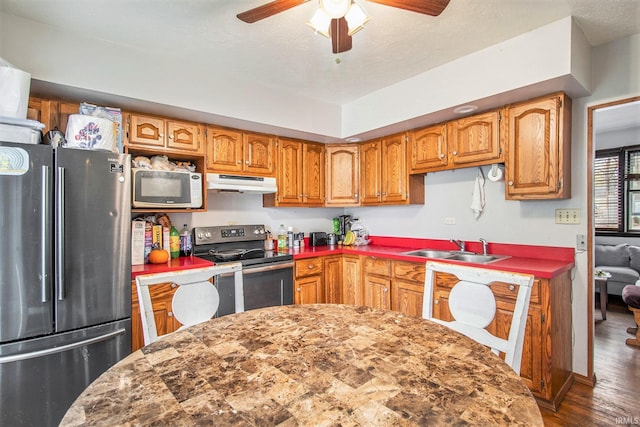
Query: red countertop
[174,264]
[542,261]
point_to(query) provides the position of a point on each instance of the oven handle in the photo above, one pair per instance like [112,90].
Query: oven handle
[270,267]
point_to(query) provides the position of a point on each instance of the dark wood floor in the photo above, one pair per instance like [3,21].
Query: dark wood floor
[615,399]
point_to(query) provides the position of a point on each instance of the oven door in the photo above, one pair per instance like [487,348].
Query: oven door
[265,285]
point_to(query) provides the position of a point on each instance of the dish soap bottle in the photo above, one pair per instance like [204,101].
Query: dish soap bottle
[185,241]
[174,242]
[282,238]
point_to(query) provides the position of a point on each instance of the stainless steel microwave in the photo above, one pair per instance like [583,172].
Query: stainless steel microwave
[166,189]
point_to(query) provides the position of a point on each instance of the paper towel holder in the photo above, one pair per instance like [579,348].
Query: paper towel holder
[495,173]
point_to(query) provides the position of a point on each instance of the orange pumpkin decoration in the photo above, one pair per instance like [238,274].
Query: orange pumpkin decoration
[158,256]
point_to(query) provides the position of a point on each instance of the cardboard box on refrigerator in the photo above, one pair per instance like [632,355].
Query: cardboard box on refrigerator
[137,241]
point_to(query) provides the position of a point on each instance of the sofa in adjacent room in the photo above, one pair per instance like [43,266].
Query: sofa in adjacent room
[622,261]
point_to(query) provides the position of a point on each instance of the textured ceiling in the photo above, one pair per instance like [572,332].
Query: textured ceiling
[282,52]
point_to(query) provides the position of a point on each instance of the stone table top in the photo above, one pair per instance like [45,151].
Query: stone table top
[304,365]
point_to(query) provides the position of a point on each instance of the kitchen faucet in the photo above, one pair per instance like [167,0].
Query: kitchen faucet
[459,244]
[485,246]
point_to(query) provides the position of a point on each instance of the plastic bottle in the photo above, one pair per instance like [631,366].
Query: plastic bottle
[174,242]
[185,241]
[290,237]
[282,238]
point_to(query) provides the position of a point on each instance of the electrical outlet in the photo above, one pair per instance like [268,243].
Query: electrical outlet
[450,220]
[581,242]
[567,216]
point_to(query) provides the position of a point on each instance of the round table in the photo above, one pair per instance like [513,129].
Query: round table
[321,364]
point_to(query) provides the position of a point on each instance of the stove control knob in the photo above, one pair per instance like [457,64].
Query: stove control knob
[207,235]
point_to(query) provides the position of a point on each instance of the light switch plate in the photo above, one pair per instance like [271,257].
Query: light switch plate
[581,242]
[567,216]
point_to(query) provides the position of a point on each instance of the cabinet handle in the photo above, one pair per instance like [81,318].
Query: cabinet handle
[298,289]
[384,194]
[170,136]
[386,290]
[173,285]
[512,288]
[246,162]
[311,266]
[436,301]
[455,153]
[441,155]
[239,161]
[169,314]
[510,183]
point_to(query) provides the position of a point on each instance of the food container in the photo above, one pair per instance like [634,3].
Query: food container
[20,130]
[331,239]
[88,132]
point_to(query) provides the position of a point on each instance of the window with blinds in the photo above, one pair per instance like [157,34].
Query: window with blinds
[616,175]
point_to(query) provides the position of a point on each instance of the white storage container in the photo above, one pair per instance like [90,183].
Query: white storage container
[14,91]
[20,130]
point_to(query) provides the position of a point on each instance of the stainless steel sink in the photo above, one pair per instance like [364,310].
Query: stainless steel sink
[455,255]
[429,253]
[477,258]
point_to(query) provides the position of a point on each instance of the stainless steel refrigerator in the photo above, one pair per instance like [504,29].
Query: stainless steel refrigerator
[65,276]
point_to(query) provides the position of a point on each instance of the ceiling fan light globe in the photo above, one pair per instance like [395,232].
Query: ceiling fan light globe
[335,8]
[320,22]
[356,18]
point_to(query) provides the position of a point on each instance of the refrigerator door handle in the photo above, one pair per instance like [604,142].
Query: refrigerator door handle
[45,234]
[60,349]
[60,235]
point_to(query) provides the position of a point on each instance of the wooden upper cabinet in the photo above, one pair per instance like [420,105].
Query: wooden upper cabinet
[371,175]
[158,133]
[384,176]
[290,177]
[300,175]
[343,175]
[428,149]
[259,154]
[475,139]
[236,152]
[539,151]
[313,174]
[224,150]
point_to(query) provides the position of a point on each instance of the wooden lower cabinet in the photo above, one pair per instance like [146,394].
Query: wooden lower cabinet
[308,281]
[407,287]
[161,297]
[351,280]
[332,272]
[376,282]
[547,353]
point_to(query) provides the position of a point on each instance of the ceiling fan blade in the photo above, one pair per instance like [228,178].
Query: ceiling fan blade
[267,10]
[428,7]
[340,38]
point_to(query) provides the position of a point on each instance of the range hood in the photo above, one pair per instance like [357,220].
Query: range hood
[217,182]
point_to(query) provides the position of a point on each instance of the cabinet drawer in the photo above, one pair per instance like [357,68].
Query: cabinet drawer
[409,271]
[502,291]
[308,267]
[378,266]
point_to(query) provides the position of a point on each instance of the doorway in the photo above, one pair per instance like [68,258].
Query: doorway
[620,114]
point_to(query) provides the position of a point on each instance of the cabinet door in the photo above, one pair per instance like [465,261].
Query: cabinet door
[407,297]
[290,192]
[333,279]
[539,154]
[343,175]
[259,154]
[377,292]
[224,150]
[428,149]
[184,136]
[161,300]
[146,131]
[351,280]
[313,176]
[308,290]
[371,176]
[475,139]
[394,169]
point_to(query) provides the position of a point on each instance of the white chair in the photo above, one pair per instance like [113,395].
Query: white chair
[195,301]
[473,306]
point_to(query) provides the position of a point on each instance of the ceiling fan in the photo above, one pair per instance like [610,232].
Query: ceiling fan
[339,28]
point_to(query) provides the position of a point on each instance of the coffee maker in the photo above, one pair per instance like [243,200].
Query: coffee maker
[344,222]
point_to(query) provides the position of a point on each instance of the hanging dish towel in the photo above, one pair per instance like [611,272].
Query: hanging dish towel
[477,197]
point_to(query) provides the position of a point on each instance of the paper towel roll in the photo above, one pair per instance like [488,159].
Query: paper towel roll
[14,91]
[495,174]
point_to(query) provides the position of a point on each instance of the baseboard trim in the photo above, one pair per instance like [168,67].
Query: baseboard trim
[582,379]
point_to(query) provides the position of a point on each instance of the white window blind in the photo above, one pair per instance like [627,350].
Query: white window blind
[607,192]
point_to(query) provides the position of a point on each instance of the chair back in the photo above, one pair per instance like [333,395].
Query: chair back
[196,299]
[472,305]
